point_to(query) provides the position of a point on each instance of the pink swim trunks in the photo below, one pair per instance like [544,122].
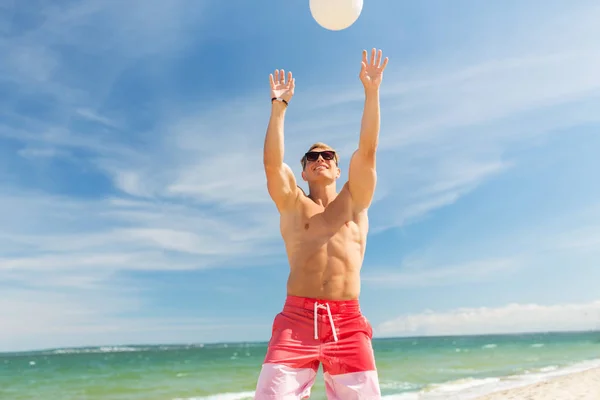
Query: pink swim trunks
[309,332]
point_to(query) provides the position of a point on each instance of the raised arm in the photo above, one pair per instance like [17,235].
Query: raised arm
[281,182]
[362,176]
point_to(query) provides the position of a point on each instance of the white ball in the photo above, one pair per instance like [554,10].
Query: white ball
[336,15]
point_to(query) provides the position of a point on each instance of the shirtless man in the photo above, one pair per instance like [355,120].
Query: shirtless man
[325,237]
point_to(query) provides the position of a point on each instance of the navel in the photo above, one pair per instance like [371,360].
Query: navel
[306,226]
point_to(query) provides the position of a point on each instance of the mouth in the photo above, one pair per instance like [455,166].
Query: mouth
[320,167]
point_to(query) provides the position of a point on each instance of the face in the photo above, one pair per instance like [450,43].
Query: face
[320,166]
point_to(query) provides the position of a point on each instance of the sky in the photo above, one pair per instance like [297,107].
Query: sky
[133,203]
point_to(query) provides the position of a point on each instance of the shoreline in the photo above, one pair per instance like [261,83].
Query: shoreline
[491,368]
[576,381]
[579,385]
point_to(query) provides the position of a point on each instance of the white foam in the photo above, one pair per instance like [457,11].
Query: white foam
[489,346]
[462,389]
[463,384]
[397,385]
[549,368]
[403,396]
[470,388]
[106,349]
[224,396]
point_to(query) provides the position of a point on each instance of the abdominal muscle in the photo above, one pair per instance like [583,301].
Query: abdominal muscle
[330,279]
[325,251]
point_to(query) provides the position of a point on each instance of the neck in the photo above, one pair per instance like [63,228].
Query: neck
[322,194]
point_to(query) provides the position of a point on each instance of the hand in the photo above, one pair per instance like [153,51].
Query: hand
[281,88]
[371,73]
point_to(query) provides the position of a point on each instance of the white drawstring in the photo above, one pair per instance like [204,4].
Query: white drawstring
[324,306]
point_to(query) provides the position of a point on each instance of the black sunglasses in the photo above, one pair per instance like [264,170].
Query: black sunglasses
[314,155]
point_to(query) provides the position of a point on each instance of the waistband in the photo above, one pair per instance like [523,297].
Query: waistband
[336,306]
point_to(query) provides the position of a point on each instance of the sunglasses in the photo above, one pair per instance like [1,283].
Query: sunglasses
[314,155]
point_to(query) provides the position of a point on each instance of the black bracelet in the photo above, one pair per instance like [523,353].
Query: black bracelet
[275,98]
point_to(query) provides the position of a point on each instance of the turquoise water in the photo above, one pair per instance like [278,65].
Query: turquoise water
[436,365]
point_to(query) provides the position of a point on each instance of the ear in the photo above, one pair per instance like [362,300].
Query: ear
[303,176]
[338,173]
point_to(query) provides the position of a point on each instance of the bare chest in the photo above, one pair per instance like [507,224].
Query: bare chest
[313,225]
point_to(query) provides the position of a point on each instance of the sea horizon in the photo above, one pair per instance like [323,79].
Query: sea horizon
[236,342]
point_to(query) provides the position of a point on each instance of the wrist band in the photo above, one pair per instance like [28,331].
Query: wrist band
[280,99]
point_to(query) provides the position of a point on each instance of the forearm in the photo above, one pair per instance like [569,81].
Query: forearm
[369,131]
[274,142]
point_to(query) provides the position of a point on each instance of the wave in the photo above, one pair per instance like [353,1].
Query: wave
[107,349]
[489,346]
[461,389]
[472,388]
[117,349]
[224,396]
[140,348]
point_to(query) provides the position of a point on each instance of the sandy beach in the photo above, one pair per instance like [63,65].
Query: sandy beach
[577,386]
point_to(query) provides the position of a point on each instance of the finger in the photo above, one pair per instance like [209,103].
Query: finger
[385,61]
[364,56]
[363,69]
[293,83]
[373,56]
[378,62]
[289,79]
[282,77]
[276,76]
[271,81]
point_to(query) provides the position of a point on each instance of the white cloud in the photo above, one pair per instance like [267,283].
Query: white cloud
[424,165]
[511,318]
[117,234]
[419,275]
[452,128]
[42,153]
[92,116]
[446,181]
[238,178]
[194,196]
[42,319]
[585,238]
[455,134]
[488,93]
[33,63]
[131,182]
[569,241]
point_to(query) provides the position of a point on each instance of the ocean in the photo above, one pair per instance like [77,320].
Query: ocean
[453,367]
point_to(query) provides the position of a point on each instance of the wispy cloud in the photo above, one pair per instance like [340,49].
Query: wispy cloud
[449,275]
[510,318]
[51,319]
[93,116]
[447,180]
[122,234]
[42,152]
[179,180]
[566,241]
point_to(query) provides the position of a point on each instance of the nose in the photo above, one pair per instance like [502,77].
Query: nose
[320,161]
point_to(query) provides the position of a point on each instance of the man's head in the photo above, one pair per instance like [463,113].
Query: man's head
[320,164]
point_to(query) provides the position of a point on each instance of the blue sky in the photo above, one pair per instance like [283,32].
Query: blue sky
[133,205]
